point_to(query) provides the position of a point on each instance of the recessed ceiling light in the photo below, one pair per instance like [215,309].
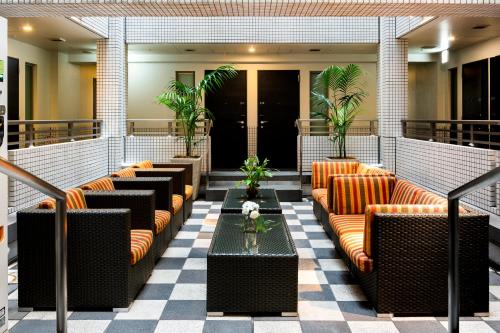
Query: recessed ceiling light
[58,40]
[451,38]
[189,50]
[251,49]
[27,28]
[88,51]
[481,26]
[428,47]
[314,50]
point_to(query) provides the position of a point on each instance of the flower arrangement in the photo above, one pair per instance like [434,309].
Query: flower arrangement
[254,172]
[254,222]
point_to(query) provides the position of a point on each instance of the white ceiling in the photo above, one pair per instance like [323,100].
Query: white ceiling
[259,48]
[44,29]
[437,32]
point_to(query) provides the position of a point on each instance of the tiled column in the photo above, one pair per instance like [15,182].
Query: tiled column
[112,89]
[392,103]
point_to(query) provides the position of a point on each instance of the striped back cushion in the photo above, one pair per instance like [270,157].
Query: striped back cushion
[365,169]
[405,193]
[103,184]
[371,210]
[75,199]
[351,194]
[146,164]
[124,173]
[321,171]
[429,198]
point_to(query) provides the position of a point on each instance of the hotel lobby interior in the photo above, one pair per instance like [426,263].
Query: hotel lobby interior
[249,166]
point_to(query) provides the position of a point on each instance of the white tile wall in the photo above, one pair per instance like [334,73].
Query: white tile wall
[99,25]
[443,167]
[64,165]
[317,148]
[409,23]
[392,88]
[252,30]
[161,149]
[112,89]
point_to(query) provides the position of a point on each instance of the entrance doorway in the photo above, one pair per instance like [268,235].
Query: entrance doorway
[278,108]
[13,99]
[229,133]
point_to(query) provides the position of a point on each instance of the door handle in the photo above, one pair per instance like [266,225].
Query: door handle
[262,122]
[241,122]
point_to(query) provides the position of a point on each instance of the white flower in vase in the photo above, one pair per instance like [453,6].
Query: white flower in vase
[254,214]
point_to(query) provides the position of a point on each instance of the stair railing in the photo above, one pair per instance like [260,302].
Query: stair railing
[32,181]
[454,196]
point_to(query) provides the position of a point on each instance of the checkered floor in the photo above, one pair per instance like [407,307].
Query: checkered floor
[174,298]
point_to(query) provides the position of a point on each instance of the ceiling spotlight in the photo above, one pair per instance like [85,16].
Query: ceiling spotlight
[428,47]
[251,49]
[58,40]
[27,28]
[314,50]
[481,26]
[451,38]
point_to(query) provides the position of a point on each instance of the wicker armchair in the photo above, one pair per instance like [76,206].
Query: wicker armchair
[108,260]
[394,239]
[188,180]
[322,189]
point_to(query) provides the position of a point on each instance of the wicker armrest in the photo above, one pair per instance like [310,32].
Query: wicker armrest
[161,185]
[188,179]
[178,178]
[140,202]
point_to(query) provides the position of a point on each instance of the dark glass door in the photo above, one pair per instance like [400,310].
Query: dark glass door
[495,97]
[13,99]
[229,133]
[475,99]
[278,108]
[453,104]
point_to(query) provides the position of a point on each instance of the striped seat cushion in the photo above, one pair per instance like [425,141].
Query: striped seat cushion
[188,191]
[371,210]
[146,164]
[321,171]
[365,169]
[140,243]
[319,193]
[352,243]
[177,202]
[342,224]
[323,201]
[162,219]
[405,193]
[75,199]
[124,173]
[351,194]
[103,184]
[429,198]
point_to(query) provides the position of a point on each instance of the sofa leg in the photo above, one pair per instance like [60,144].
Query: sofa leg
[122,309]
[481,314]
[25,309]
[215,314]
[289,314]
[385,315]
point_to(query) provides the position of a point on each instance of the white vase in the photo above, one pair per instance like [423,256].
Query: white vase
[196,162]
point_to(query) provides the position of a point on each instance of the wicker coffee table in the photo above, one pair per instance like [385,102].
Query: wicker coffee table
[252,273]
[267,200]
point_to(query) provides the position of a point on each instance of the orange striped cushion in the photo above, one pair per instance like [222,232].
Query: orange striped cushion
[318,193]
[365,169]
[321,171]
[324,203]
[140,243]
[429,198]
[162,219]
[177,202]
[351,194]
[352,243]
[147,164]
[371,210]
[125,173]
[103,184]
[75,199]
[405,193]
[188,191]
[347,223]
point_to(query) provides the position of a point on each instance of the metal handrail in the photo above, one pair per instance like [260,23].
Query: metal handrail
[61,236]
[165,127]
[454,196]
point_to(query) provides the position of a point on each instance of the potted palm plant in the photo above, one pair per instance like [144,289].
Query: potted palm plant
[187,103]
[341,105]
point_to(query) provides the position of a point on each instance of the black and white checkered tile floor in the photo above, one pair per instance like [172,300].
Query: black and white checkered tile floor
[174,298]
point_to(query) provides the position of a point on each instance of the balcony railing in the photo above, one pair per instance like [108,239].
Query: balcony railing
[30,133]
[474,133]
[318,127]
[164,127]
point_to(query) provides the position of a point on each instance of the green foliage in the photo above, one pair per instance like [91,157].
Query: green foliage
[341,107]
[255,171]
[186,101]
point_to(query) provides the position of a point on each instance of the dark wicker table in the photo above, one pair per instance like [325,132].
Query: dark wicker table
[267,200]
[253,273]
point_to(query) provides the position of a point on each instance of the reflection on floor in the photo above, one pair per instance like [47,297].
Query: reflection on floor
[174,298]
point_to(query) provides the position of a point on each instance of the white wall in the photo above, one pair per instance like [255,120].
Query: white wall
[149,74]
